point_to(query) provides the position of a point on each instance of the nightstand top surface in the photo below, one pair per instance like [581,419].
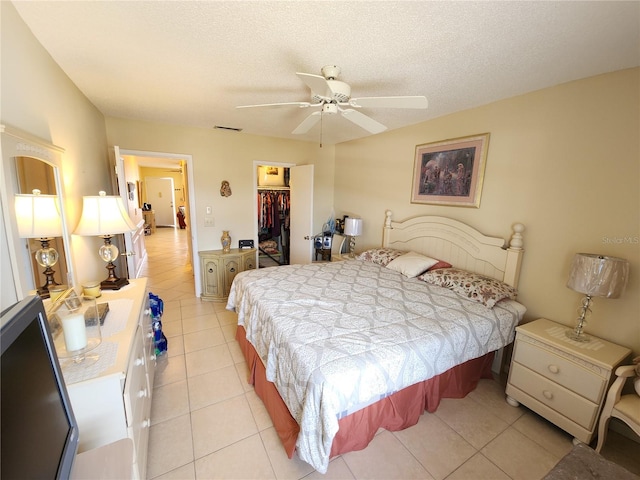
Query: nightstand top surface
[597,350]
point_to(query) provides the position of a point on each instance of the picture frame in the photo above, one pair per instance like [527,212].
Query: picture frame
[450,172]
[131,189]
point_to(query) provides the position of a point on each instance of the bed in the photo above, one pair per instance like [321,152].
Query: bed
[338,350]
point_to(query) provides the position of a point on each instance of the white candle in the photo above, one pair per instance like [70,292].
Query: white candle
[75,332]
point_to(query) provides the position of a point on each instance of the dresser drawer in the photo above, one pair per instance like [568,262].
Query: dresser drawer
[547,392]
[139,432]
[560,370]
[136,390]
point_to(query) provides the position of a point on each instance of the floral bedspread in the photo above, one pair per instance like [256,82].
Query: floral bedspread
[336,337]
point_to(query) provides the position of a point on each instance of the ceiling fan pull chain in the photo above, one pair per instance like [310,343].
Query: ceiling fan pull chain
[321,115]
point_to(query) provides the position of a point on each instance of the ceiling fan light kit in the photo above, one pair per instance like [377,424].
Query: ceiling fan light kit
[331,95]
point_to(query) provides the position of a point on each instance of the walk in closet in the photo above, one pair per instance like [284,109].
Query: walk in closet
[273,216]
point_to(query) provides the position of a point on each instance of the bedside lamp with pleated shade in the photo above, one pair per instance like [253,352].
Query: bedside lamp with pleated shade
[595,276]
[38,216]
[105,216]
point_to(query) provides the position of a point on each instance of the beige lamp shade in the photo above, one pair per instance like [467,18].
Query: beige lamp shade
[598,275]
[353,227]
[103,215]
[38,216]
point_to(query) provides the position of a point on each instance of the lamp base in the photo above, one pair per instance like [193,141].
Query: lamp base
[577,336]
[48,272]
[43,292]
[113,284]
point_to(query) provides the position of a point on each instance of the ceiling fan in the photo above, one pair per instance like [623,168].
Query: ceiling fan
[331,96]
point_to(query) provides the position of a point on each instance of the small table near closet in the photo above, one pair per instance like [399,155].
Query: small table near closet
[218,269]
[150,220]
[325,254]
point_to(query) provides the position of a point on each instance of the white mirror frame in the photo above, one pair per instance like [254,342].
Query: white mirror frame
[15,143]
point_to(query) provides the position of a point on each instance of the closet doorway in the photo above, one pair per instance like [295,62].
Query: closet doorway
[284,213]
[274,209]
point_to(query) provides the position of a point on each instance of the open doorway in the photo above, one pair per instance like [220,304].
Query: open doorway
[165,196]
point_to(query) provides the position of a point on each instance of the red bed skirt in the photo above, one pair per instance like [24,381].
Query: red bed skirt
[395,412]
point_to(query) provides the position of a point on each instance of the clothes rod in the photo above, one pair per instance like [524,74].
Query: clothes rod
[260,189]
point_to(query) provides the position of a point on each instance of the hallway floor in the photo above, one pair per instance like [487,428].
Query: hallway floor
[207,422]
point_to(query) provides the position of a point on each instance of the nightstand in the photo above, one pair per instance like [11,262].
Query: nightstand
[560,379]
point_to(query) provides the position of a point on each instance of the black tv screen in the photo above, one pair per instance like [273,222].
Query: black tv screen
[39,436]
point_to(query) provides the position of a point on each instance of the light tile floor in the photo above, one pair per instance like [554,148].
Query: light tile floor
[208,423]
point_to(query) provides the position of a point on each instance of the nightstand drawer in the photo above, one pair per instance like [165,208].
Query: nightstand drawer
[563,401]
[560,370]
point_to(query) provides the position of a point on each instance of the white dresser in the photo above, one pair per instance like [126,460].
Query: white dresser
[111,399]
[563,380]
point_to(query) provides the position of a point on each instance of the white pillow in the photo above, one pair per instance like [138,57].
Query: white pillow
[411,264]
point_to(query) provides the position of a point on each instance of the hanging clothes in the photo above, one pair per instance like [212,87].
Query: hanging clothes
[273,207]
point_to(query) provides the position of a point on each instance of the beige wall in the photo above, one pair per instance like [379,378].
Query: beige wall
[221,155]
[38,98]
[178,182]
[565,161]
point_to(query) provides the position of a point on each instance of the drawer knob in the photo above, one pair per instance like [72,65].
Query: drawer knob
[210,270]
[139,361]
[232,270]
[146,423]
[554,368]
[547,394]
[142,393]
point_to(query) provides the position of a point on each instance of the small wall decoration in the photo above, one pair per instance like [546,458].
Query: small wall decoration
[131,188]
[225,189]
[450,172]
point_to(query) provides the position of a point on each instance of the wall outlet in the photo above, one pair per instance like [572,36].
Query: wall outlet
[208,222]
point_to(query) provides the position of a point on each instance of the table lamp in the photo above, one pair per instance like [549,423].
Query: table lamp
[353,229]
[595,276]
[38,216]
[105,216]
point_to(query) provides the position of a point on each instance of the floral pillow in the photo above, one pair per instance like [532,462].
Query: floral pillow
[482,289]
[380,256]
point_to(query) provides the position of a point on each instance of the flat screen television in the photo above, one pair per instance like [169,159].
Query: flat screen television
[39,435]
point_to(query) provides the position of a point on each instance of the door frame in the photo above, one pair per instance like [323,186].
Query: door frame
[192,214]
[256,164]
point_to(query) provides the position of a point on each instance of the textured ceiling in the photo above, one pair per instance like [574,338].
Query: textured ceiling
[191,63]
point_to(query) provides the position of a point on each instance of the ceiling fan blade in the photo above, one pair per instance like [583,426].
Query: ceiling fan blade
[390,102]
[287,104]
[363,121]
[317,83]
[307,123]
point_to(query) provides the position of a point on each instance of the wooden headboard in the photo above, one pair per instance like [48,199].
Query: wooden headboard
[459,244]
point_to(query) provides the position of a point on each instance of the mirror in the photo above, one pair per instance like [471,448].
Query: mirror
[33,174]
[29,163]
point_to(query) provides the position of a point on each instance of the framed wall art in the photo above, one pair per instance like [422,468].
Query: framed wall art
[450,172]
